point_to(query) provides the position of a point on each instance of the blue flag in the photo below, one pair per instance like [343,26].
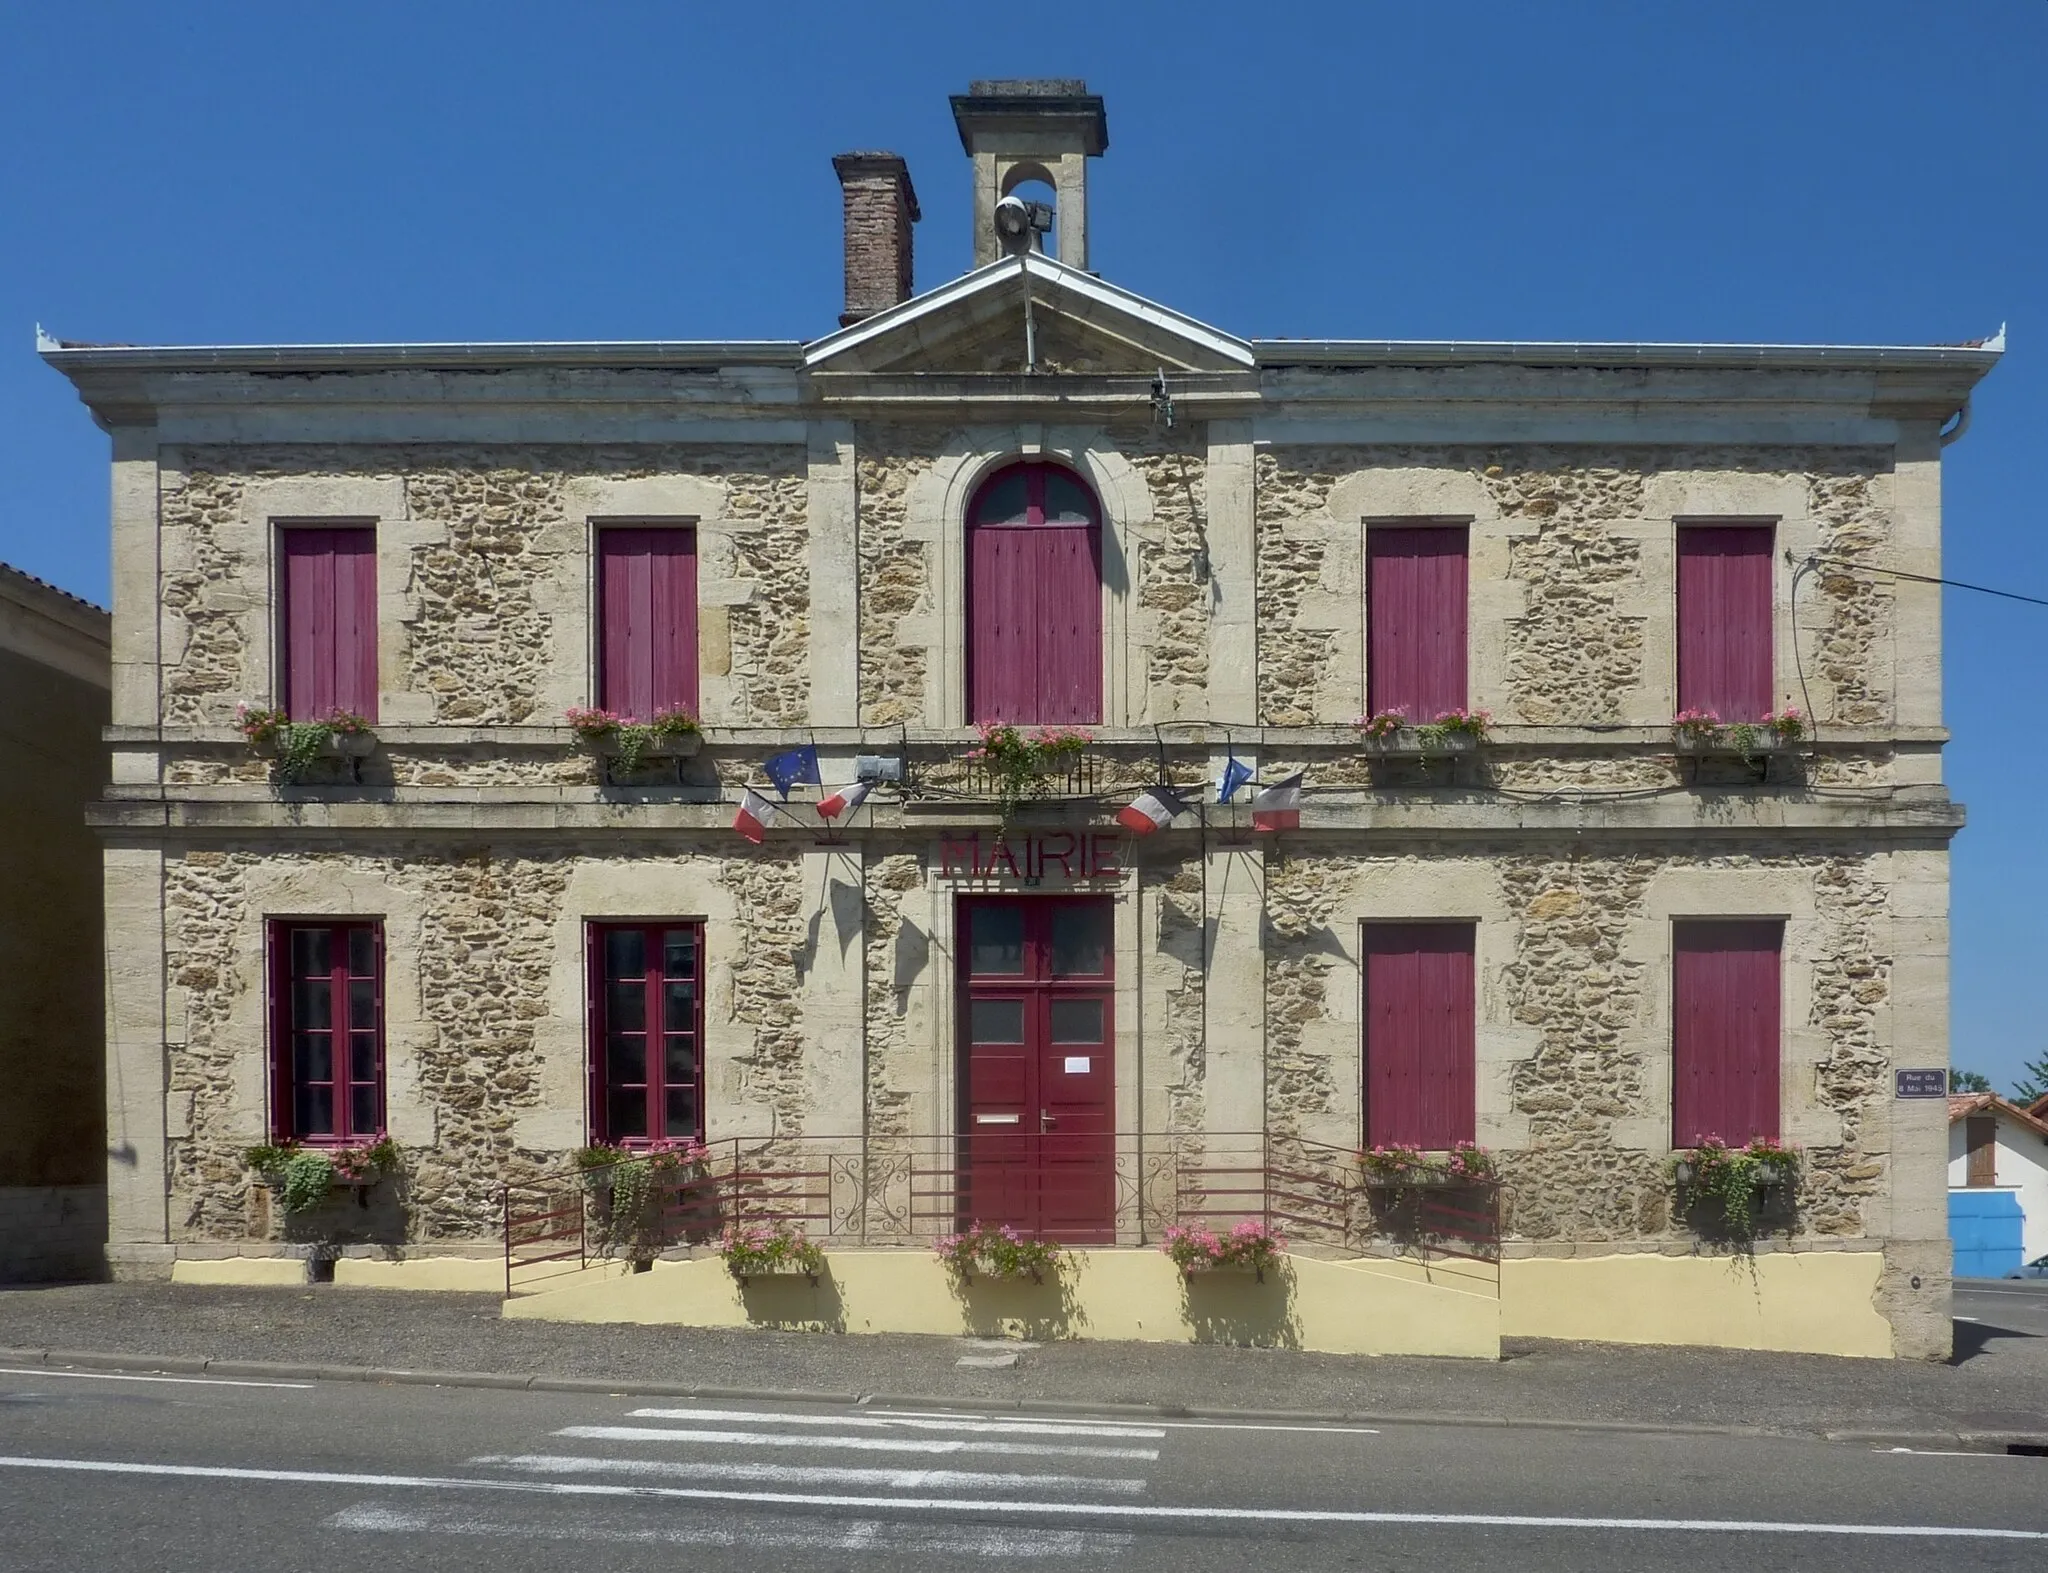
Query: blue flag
[786,770]
[1235,775]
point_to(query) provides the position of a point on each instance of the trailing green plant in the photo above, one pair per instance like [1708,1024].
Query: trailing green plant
[632,1186]
[294,745]
[999,1251]
[631,740]
[1731,1177]
[1250,1244]
[303,1176]
[751,1249]
[1745,737]
[1454,723]
[1020,763]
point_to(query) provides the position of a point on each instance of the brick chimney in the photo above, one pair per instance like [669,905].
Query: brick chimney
[880,207]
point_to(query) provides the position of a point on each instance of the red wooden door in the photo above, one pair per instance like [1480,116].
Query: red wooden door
[330,622]
[1034,600]
[647,607]
[1415,630]
[1419,1045]
[1724,620]
[1725,1031]
[1039,1081]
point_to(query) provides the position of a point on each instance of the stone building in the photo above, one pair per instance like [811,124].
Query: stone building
[53,1156]
[1029,494]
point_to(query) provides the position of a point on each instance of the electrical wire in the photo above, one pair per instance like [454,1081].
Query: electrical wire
[1816,560]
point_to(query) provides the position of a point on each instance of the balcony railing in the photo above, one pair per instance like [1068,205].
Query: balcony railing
[1124,1189]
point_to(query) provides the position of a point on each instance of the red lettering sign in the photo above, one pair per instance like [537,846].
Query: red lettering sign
[1031,859]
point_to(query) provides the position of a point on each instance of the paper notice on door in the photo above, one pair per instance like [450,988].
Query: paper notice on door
[1077,1064]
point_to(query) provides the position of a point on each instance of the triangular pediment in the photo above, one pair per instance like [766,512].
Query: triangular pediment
[1078,325]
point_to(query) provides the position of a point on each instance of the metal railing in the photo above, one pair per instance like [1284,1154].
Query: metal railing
[1124,1188]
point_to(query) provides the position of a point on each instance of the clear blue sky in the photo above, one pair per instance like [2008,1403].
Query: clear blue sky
[1830,170]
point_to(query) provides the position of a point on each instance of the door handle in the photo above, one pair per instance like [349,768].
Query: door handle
[1045,1120]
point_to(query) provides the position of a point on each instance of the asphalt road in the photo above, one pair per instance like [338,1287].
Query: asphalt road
[111,1473]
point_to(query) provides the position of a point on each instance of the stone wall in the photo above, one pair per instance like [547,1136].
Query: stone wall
[1172,573]
[1585,533]
[484,990]
[492,547]
[1586,953]
[895,575]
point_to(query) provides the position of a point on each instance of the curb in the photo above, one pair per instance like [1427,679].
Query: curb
[270,1370]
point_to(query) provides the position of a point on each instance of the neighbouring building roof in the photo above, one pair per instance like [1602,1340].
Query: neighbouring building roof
[54,627]
[1963,1104]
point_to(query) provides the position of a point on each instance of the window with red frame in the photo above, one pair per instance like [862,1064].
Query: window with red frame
[327,1030]
[646,1031]
[328,608]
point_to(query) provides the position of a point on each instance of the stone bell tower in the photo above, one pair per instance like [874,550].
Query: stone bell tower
[1044,129]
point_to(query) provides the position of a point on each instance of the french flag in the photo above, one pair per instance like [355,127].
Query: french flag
[1153,809]
[1279,806]
[752,819]
[845,800]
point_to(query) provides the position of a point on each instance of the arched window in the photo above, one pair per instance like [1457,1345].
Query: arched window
[1034,599]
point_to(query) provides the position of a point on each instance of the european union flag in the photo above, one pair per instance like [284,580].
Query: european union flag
[1235,775]
[786,770]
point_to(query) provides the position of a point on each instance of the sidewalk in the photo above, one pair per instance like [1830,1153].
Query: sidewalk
[2000,1390]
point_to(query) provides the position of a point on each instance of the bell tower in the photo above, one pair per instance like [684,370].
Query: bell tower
[1043,129]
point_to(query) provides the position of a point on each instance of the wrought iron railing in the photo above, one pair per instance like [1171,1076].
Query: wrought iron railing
[1124,1188]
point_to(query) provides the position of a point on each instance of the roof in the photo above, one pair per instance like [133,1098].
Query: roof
[1963,1104]
[9,573]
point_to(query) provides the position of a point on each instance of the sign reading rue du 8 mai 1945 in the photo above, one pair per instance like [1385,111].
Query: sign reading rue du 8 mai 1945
[1920,1084]
[1065,856]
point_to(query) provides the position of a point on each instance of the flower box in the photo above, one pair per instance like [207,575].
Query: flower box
[776,1270]
[1229,1269]
[1408,743]
[664,745]
[1722,746]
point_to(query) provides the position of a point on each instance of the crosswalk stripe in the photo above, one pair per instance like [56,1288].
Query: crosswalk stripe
[1310,1426]
[909,1422]
[865,1534]
[862,1444]
[822,1474]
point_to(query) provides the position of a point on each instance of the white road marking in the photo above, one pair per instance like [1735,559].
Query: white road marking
[858,1535]
[1176,1425]
[111,1376]
[1129,1511]
[859,1444]
[904,1420]
[823,1474]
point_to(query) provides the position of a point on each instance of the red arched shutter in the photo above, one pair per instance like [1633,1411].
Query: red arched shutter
[1034,599]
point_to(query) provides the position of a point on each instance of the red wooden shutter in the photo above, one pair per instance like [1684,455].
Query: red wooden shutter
[1416,586]
[1724,620]
[1034,603]
[330,622]
[647,603]
[1419,1047]
[1725,1031]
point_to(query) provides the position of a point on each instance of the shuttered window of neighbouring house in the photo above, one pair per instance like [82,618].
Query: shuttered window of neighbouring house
[1419,1046]
[1725,1030]
[1034,599]
[329,637]
[1982,1135]
[647,613]
[1724,620]
[1416,581]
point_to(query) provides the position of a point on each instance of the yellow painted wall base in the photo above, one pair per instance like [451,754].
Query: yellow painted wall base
[483,1275]
[1816,1302]
[1368,1306]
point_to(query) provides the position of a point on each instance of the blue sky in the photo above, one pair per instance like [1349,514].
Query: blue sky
[1833,170]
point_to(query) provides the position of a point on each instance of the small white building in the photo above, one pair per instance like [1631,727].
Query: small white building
[1996,1149]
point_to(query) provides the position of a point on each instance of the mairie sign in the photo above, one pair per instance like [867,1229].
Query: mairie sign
[1030,860]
